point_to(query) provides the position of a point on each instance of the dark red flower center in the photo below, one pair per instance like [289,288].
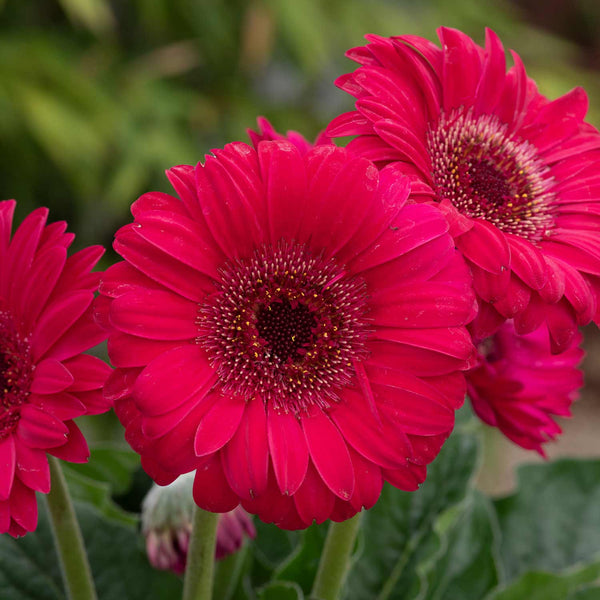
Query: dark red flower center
[15,373]
[285,326]
[491,174]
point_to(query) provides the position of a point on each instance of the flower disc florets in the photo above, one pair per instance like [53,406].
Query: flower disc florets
[489,173]
[286,326]
[15,373]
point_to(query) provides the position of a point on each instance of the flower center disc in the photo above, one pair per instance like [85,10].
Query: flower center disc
[286,329]
[488,173]
[15,373]
[285,326]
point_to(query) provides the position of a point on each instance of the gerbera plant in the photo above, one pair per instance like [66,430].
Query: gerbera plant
[516,174]
[291,328]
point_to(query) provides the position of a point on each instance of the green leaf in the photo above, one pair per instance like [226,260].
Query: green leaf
[281,590]
[96,15]
[538,585]
[272,545]
[552,522]
[465,569]
[587,593]
[398,532]
[109,472]
[302,565]
[29,565]
[109,464]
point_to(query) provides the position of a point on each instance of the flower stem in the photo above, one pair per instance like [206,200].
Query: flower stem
[333,565]
[74,564]
[198,581]
[227,573]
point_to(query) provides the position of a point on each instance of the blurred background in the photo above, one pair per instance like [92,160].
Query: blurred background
[99,97]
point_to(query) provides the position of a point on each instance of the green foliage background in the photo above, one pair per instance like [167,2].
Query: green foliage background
[99,97]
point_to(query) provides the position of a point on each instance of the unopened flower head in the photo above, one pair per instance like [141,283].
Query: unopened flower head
[167,515]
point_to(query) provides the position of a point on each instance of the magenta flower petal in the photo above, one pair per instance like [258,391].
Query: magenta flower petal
[372,437]
[286,190]
[250,441]
[329,454]
[23,509]
[288,449]
[51,376]
[43,277]
[8,462]
[33,469]
[40,429]
[314,501]
[161,315]
[218,425]
[171,378]
[179,237]
[63,406]
[131,351]
[266,132]
[76,449]
[57,319]
[265,382]
[160,266]
[87,372]
[211,488]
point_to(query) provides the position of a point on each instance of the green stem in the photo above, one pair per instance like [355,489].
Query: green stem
[74,564]
[198,581]
[228,572]
[333,565]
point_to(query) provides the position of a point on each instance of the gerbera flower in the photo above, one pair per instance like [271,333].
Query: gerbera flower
[45,325]
[519,385]
[266,132]
[517,175]
[167,515]
[290,328]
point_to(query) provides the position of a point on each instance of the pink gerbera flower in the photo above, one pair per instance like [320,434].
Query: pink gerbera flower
[45,325]
[290,328]
[517,175]
[519,385]
[266,132]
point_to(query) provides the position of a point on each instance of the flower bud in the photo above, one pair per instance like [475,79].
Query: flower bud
[167,514]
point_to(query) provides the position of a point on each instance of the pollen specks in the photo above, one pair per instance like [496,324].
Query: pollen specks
[285,325]
[488,173]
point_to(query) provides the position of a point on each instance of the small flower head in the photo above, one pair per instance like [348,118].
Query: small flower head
[266,132]
[45,380]
[290,328]
[519,386]
[516,174]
